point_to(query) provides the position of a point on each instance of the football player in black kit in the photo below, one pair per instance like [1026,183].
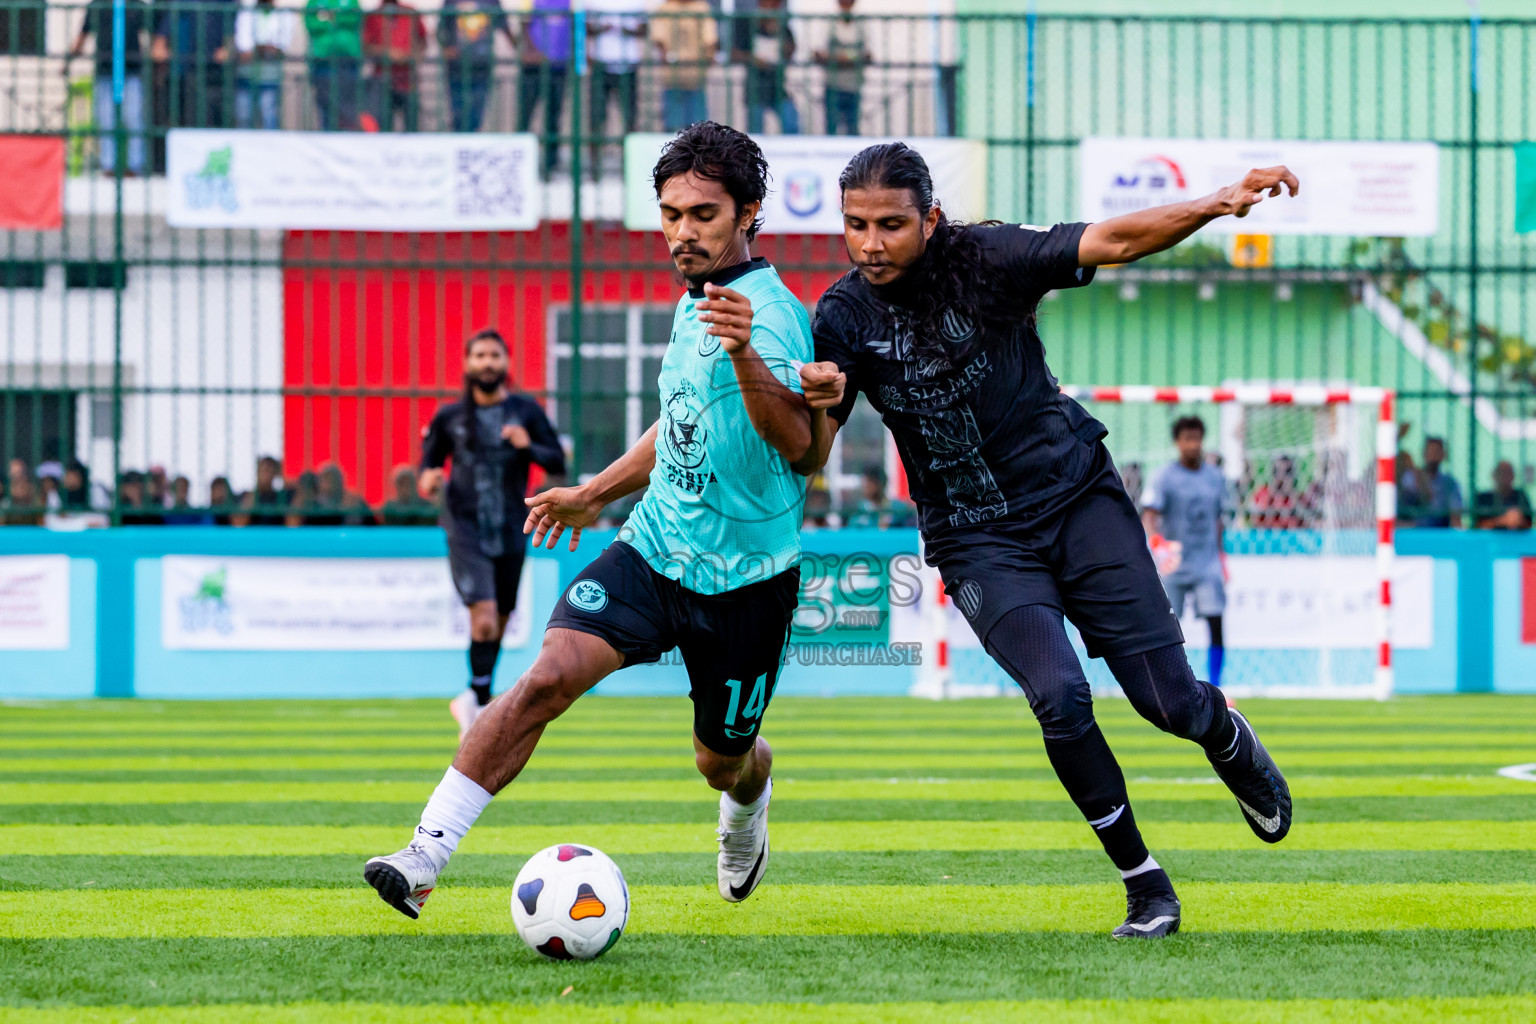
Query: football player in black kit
[1019,506]
[493,436]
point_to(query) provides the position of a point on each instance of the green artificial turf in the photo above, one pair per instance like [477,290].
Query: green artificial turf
[196,863]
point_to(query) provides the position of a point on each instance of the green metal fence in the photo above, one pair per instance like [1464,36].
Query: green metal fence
[129,344]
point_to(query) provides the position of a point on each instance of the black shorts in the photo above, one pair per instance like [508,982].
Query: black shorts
[1089,560]
[732,643]
[477,576]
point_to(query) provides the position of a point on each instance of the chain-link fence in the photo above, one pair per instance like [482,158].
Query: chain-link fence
[135,353]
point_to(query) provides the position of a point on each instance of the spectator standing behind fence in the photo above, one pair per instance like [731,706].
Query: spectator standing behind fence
[335,30]
[98,23]
[195,40]
[395,39]
[876,509]
[221,498]
[1506,507]
[845,57]
[616,29]
[263,36]
[265,504]
[686,39]
[546,52]
[765,44]
[407,507]
[22,504]
[1427,496]
[466,32]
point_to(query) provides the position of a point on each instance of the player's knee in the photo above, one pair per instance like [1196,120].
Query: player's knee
[721,772]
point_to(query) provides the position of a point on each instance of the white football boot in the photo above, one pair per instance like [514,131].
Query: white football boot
[465,708]
[404,880]
[744,854]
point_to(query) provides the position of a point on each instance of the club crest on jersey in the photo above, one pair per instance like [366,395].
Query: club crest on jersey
[955,327]
[968,598]
[685,436]
[709,344]
[588,595]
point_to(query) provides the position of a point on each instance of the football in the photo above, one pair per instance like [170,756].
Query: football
[570,902]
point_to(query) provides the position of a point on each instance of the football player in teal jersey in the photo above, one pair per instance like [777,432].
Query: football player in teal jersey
[707,562]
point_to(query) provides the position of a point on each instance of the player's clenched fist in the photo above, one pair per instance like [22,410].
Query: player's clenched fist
[823,384]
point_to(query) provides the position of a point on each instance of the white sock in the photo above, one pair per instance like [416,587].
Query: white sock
[739,814]
[456,803]
[1140,869]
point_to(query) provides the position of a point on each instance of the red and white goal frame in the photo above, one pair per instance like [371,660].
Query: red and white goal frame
[937,678]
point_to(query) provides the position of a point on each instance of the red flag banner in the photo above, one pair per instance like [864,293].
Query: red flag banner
[1528,600]
[32,170]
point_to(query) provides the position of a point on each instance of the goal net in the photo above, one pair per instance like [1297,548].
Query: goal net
[1307,539]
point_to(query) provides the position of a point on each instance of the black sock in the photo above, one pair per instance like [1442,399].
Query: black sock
[1092,777]
[1220,737]
[1149,883]
[482,667]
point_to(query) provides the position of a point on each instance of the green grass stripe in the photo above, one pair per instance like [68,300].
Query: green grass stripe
[578,1010]
[224,840]
[681,770]
[1184,756]
[581,813]
[777,910]
[786,789]
[797,739]
[429,969]
[836,867]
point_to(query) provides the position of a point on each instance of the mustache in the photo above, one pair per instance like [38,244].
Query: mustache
[687,249]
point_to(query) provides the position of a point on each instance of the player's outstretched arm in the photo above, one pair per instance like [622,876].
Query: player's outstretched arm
[823,384]
[1134,235]
[778,414]
[551,511]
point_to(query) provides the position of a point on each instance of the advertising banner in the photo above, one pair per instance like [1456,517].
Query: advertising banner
[1387,189]
[319,604]
[352,181]
[803,197]
[34,603]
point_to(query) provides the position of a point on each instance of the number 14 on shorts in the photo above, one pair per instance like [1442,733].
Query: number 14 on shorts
[757,700]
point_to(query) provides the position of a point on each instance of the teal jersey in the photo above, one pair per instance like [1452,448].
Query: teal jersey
[724,507]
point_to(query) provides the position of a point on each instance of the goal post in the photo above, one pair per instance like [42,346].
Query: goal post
[1308,538]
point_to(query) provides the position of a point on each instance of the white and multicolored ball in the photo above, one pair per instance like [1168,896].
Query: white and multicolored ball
[570,902]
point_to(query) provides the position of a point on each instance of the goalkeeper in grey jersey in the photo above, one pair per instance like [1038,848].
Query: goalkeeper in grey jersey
[1182,509]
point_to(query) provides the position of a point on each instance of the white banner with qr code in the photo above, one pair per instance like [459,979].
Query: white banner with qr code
[34,603]
[351,181]
[319,604]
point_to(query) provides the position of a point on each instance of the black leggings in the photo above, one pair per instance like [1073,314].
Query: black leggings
[1031,644]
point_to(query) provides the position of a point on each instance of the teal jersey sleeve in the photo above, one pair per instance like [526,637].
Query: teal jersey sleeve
[781,335]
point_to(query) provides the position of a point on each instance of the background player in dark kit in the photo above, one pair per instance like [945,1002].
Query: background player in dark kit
[493,436]
[1019,506]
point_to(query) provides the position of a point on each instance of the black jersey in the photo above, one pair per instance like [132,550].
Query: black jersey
[983,430]
[489,479]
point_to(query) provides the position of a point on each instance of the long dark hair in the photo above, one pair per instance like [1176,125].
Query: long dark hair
[954,271]
[471,435]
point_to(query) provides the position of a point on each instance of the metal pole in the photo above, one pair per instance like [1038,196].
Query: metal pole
[579,66]
[119,273]
[1031,20]
[1472,263]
